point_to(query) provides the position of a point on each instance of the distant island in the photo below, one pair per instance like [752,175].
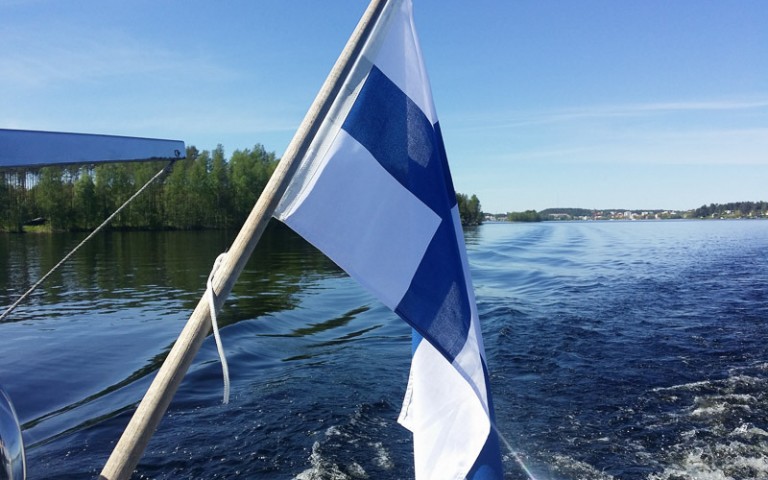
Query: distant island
[733,210]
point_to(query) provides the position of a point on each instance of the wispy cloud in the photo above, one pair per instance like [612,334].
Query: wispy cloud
[597,113]
[31,59]
[697,147]
[707,132]
[758,103]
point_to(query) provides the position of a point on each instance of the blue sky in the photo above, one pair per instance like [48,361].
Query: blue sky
[594,104]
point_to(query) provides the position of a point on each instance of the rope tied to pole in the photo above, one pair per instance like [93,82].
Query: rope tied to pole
[215,326]
[26,294]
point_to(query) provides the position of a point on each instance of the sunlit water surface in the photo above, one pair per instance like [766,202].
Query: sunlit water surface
[618,350]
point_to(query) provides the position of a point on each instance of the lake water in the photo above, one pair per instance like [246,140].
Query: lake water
[617,350]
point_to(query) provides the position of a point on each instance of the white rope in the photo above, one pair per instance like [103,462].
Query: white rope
[215,325]
[92,234]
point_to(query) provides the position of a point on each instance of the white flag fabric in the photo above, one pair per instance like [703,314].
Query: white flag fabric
[374,193]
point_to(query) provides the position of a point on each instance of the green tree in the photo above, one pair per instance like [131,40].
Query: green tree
[250,172]
[526,216]
[220,188]
[114,185]
[177,193]
[470,211]
[86,208]
[53,198]
[199,193]
[5,204]
[15,206]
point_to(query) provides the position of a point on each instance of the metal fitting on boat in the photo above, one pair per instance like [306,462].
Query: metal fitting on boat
[13,464]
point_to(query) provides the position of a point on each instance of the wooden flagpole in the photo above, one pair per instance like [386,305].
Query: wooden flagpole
[150,411]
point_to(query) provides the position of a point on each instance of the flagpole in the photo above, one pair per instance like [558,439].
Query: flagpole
[149,413]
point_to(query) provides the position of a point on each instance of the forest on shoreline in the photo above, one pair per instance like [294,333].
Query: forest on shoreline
[204,191]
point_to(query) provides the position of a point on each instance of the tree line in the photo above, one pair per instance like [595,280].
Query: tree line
[526,216]
[742,209]
[204,191]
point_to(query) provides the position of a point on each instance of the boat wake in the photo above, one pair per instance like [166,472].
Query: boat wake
[356,449]
[717,427]
[704,430]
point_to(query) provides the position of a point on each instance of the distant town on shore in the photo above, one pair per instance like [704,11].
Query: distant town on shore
[210,191]
[734,210]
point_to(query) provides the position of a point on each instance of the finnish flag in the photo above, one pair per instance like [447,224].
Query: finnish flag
[374,194]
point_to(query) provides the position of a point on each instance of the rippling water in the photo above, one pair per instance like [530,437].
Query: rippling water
[618,350]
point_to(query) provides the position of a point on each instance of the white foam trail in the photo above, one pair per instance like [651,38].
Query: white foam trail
[515,454]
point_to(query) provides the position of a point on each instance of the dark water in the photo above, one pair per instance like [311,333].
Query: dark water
[626,350]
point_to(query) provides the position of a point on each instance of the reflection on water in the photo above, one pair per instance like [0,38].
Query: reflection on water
[105,321]
[148,265]
[617,350]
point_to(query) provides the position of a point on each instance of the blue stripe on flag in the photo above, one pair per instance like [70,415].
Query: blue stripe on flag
[488,464]
[397,133]
[447,179]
